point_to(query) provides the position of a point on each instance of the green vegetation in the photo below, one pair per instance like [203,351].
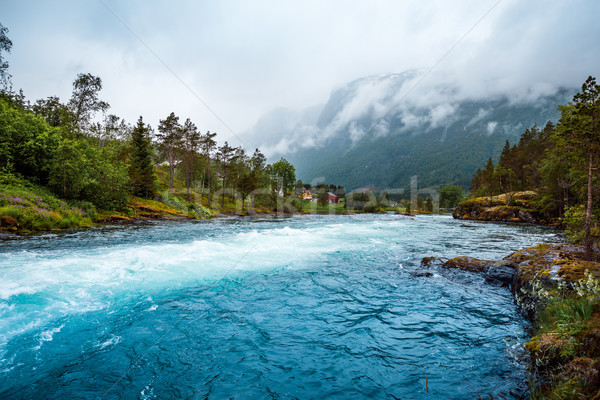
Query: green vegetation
[5,45]
[71,164]
[565,350]
[28,207]
[141,167]
[366,201]
[558,162]
[286,175]
[551,173]
[450,196]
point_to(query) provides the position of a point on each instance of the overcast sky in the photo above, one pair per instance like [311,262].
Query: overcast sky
[226,63]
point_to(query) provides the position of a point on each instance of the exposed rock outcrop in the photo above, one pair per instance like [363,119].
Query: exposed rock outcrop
[543,265]
[497,272]
[508,207]
[547,280]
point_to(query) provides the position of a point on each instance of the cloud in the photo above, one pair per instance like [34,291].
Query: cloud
[440,114]
[242,59]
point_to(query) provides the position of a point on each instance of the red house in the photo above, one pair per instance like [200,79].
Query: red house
[333,198]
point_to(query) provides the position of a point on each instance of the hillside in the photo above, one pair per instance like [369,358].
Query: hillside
[381,130]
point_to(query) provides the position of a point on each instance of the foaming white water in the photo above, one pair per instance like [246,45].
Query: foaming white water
[8,289]
[40,285]
[110,342]
[47,336]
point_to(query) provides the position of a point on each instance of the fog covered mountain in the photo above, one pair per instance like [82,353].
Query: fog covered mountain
[381,130]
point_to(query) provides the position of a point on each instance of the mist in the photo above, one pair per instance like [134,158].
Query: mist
[227,64]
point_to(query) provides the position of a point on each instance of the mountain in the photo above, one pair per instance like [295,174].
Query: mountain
[381,130]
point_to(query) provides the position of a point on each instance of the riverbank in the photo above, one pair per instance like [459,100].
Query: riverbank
[559,292]
[507,207]
[27,208]
[30,208]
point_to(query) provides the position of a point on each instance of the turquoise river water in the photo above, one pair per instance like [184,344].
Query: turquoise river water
[307,307]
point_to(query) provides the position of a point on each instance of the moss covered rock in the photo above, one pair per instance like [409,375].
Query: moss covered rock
[497,272]
[508,207]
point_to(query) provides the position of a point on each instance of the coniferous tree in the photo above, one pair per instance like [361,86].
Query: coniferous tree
[488,177]
[169,142]
[428,205]
[141,169]
[580,126]
[191,141]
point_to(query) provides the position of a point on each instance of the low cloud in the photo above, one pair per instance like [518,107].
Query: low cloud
[226,64]
[366,107]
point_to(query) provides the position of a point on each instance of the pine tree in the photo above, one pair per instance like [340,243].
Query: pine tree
[580,125]
[488,177]
[207,145]
[169,141]
[191,141]
[141,169]
[226,156]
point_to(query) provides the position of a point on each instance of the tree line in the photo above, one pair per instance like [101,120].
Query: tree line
[559,162]
[82,152]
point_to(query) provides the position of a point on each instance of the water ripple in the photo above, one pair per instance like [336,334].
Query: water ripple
[304,307]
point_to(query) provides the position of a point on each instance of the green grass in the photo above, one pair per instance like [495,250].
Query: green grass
[27,207]
[565,347]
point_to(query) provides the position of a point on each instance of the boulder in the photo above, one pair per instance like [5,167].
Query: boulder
[508,207]
[496,272]
[501,273]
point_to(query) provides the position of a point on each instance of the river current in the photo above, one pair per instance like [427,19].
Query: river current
[307,307]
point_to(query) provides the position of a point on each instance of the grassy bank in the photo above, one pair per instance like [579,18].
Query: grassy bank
[561,293]
[25,207]
[565,351]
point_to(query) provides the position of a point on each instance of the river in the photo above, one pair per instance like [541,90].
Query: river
[307,307]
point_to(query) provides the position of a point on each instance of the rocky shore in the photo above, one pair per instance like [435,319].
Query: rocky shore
[507,207]
[558,291]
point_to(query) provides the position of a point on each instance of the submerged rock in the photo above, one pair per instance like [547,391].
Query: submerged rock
[422,274]
[496,272]
[565,350]
[527,272]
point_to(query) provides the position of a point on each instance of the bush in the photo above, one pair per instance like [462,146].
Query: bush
[82,172]
[193,210]
[27,143]
[574,221]
[28,207]
[298,204]
[173,201]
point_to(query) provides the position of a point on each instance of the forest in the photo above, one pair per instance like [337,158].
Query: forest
[84,154]
[64,164]
[559,162]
